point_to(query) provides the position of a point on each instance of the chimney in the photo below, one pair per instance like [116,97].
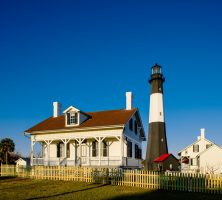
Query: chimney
[57,109]
[202,133]
[129,100]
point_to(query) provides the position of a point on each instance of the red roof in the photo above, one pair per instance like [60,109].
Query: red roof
[102,118]
[162,158]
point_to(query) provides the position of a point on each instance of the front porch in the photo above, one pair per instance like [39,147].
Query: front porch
[189,165]
[88,151]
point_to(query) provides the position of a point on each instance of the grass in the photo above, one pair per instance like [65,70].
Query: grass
[18,188]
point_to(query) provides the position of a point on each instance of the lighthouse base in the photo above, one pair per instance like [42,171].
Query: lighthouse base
[157,144]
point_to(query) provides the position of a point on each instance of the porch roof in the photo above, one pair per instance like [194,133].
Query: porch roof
[101,118]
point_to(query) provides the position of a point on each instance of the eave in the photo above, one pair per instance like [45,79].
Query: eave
[83,129]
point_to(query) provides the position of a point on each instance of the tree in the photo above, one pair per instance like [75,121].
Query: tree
[6,145]
[212,169]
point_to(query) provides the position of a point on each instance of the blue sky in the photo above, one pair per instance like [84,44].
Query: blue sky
[89,53]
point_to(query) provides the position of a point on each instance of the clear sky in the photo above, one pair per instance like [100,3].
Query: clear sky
[89,53]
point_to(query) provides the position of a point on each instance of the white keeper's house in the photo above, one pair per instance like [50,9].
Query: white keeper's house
[111,138]
[202,156]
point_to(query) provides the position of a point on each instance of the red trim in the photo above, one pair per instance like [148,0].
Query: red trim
[162,158]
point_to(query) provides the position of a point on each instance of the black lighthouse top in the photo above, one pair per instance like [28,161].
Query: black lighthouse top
[156,73]
[156,79]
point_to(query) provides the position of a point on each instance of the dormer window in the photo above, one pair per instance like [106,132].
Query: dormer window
[72,118]
[75,117]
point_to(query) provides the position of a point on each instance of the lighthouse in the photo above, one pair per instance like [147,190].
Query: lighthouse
[157,141]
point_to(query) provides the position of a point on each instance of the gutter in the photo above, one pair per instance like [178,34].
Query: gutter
[26,134]
[75,129]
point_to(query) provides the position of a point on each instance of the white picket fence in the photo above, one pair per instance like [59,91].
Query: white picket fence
[136,178]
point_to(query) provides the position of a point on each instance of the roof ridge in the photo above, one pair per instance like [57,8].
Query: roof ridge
[122,109]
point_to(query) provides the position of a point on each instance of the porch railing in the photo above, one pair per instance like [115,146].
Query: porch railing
[83,161]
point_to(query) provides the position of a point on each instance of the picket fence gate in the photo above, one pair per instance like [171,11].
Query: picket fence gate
[173,181]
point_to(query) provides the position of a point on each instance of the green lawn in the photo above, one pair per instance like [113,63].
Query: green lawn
[18,188]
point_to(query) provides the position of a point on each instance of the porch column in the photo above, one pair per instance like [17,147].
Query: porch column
[108,152]
[99,151]
[65,141]
[32,151]
[89,160]
[80,140]
[48,142]
[122,150]
[48,152]
[42,150]
[120,139]
[80,153]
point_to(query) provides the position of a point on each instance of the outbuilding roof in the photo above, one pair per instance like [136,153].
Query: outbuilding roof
[162,158]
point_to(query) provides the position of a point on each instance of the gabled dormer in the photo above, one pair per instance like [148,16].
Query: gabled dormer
[74,117]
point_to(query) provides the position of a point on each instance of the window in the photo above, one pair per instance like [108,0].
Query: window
[60,150]
[94,148]
[135,127]
[131,124]
[196,148]
[72,118]
[208,146]
[60,147]
[104,148]
[138,152]
[129,149]
[68,150]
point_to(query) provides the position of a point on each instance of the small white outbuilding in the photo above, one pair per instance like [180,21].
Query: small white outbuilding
[202,156]
[23,162]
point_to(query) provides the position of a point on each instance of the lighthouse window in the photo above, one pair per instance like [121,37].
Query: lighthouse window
[131,124]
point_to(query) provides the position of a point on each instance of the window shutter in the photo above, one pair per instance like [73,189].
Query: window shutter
[94,149]
[68,118]
[76,118]
[104,149]
[58,150]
